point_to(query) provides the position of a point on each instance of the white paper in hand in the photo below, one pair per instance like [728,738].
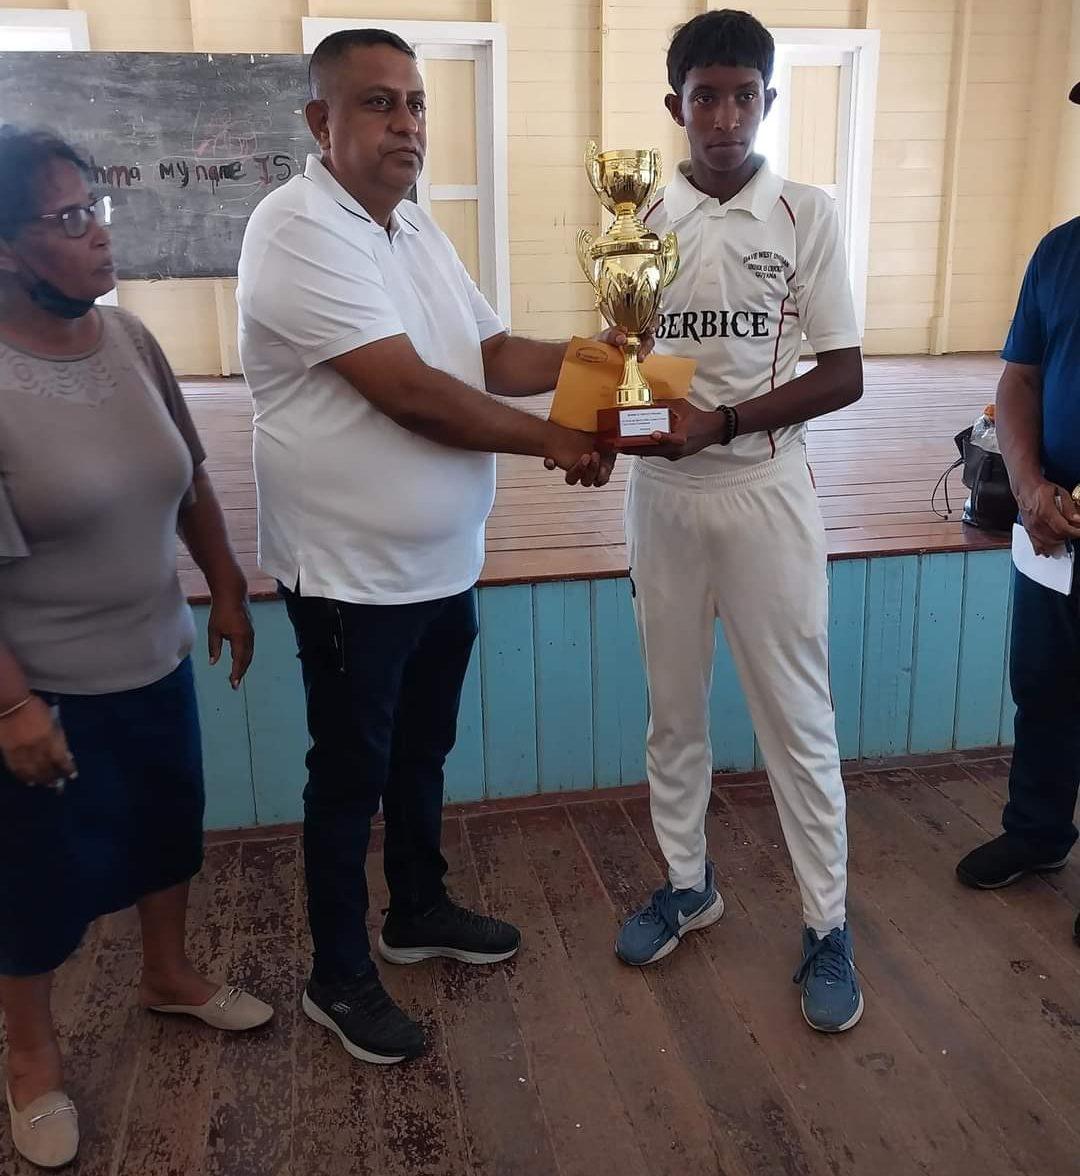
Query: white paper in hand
[1051,571]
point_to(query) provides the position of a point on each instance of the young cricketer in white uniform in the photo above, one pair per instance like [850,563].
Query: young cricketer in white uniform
[727,525]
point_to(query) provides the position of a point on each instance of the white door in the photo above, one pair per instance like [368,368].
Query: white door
[821,129]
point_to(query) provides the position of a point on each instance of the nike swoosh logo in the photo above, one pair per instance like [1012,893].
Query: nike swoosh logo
[684,919]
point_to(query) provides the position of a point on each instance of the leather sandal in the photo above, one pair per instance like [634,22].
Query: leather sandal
[230,1008]
[45,1131]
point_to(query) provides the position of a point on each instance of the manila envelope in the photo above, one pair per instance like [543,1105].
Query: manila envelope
[591,372]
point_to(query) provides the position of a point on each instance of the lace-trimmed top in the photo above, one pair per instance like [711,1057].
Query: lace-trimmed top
[97,453]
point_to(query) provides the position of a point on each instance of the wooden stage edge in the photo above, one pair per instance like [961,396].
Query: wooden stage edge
[875,465]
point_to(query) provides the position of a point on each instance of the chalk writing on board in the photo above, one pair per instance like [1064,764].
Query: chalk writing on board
[269,170]
[115,175]
[187,144]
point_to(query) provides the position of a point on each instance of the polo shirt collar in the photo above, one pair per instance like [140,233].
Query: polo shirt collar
[757,197]
[317,172]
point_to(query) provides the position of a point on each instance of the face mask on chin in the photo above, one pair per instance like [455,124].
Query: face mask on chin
[51,298]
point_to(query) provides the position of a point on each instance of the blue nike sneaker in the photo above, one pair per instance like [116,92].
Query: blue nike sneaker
[655,931]
[832,1000]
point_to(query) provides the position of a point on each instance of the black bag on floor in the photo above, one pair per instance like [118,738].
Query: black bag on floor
[991,506]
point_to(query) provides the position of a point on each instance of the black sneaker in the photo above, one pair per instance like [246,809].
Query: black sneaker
[368,1023]
[1001,862]
[447,930]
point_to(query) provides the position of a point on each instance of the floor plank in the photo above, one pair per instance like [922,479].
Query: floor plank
[505,1124]
[252,1111]
[1002,970]
[671,1115]
[589,1124]
[103,1057]
[169,1115]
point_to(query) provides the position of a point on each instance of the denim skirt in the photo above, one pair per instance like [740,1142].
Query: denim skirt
[130,824]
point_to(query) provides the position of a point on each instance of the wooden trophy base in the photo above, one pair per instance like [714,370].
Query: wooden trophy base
[626,429]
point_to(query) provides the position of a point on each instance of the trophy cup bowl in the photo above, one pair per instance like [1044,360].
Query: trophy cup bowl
[624,180]
[628,267]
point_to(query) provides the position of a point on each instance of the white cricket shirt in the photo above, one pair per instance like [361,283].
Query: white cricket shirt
[754,275]
[352,506]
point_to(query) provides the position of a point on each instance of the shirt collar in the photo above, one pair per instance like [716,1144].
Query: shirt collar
[757,197]
[317,172]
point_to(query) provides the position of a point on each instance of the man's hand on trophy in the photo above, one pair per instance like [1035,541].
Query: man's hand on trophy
[692,430]
[616,337]
[576,454]
[593,469]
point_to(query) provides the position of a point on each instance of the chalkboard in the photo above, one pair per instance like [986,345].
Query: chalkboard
[185,143]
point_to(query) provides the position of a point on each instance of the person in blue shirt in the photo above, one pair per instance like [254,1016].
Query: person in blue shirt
[1038,426]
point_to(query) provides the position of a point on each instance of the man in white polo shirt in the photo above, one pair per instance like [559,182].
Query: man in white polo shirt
[367,348]
[728,526]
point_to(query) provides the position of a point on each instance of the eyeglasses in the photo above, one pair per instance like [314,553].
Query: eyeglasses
[76,219]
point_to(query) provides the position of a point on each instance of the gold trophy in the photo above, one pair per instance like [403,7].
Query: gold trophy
[628,267]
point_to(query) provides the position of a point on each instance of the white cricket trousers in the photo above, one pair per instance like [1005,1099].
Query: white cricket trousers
[747,548]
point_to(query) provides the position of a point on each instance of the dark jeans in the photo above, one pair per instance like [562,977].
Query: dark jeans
[383,684]
[1045,676]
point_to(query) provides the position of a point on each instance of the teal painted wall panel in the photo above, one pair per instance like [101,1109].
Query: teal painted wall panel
[982,648]
[508,686]
[620,696]
[634,690]
[555,696]
[937,652]
[607,740]
[562,641]
[847,626]
[464,777]
[1008,707]
[277,720]
[891,591]
[223,715]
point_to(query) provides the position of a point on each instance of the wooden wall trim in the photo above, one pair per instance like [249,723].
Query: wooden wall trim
[1051,86]
[223,327]
[939,328]
[1067,202]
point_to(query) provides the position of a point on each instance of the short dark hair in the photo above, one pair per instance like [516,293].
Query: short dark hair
[24,155]
[723,37]
[332,49]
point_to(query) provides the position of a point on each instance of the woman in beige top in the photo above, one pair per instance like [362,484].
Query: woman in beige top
[101,788]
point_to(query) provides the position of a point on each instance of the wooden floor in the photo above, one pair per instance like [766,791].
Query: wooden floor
[875,464]
[565,1063]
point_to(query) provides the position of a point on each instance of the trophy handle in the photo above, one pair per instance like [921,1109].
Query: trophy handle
[657,176]
[592,169]
[584,253]
[670,248]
